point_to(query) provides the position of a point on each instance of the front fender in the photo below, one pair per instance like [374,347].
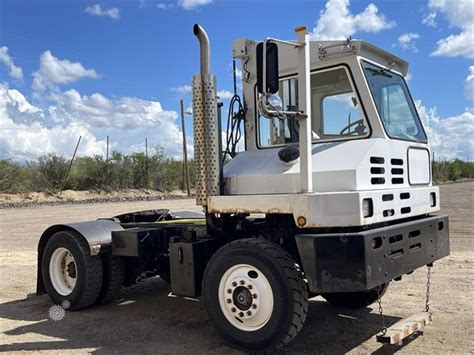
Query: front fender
[96,234]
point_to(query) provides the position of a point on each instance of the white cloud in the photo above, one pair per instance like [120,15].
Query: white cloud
[164,6]
[54,71]
[238,74]
[459,14]
[25,136]
[337,22]
[14,71]
[429,20]
[192,4]
[184,89]
[58,118]
[224,94]
[459,45]
[449,137]
[97,10]
[407,41]
[469,84]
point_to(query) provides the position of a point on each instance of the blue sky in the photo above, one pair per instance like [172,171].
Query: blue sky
[120,67]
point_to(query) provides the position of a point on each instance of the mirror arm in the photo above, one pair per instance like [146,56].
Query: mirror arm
[269,111]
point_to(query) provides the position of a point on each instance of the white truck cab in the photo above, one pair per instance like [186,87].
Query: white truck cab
[367,141]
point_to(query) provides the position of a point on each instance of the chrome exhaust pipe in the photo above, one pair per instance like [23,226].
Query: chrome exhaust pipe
[205,50]
[207,144]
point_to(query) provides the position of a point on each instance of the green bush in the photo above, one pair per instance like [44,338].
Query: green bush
[13,177]
[452,170]
[88,173]
[47,174]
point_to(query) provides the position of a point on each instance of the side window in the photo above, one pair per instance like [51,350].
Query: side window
[336,112]
[341,116]
[275,131]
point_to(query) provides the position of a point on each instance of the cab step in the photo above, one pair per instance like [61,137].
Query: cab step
[404,328]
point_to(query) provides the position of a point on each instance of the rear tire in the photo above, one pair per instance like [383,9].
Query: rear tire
[70,273]
[355,299]
[114,274]
[255,295]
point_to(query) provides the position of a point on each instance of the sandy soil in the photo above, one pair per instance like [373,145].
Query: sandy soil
[146,320]
[32,199]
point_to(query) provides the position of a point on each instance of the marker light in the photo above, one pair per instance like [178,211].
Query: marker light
[367,207]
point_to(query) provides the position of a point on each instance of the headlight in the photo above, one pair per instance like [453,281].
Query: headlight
[367,207]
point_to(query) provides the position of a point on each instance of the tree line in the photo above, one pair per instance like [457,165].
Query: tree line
[121,171]
[135,171]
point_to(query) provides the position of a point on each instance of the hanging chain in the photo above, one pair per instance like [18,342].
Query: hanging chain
[428,284]
[382,318]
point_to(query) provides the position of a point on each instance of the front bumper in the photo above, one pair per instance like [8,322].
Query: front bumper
[349,262]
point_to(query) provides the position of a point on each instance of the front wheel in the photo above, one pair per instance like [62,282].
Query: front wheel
[355,299]
[255,294]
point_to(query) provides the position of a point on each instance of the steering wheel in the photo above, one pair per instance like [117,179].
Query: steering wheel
[359,130]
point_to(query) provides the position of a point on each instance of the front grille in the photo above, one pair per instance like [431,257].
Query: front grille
[377,171]
[380,174]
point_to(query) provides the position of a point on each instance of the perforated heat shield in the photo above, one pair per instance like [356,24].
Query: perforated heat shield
[206,138]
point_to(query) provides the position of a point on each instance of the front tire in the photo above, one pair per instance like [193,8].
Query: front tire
[255,295]
[355,299]
[70,273]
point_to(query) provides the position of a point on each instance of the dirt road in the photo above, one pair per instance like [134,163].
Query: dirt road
[146,320]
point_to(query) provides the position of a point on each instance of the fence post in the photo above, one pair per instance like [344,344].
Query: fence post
[70,164]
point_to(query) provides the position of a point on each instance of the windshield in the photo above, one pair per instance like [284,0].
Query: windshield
[394,104]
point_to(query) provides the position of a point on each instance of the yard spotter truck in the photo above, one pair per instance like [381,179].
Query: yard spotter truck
[332,196]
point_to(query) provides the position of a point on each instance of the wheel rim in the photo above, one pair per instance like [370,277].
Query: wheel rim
[63,271]
[246,297]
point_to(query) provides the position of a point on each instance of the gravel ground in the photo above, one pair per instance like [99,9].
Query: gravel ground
[146,320]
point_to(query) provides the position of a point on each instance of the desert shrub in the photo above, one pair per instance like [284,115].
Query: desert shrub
[47,174]
[13,177]
[452,170]
[88,173]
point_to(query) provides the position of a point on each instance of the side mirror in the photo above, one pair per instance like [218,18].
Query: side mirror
[271,68]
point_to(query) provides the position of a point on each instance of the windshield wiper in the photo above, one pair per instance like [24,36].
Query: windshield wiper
[381,71]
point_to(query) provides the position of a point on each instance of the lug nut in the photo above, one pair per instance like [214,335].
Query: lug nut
[241,314]
[229,300]
[234,284]
[254,306]
[242,282]
[233,310]
[250,287]
[249,313]
[254,295]
[229,291]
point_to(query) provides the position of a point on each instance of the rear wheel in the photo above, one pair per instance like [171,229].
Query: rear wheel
[255,294]
[70,273]
[114,274]
[355,299]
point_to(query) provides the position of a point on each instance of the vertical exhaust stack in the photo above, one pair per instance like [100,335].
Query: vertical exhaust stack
[206,125]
